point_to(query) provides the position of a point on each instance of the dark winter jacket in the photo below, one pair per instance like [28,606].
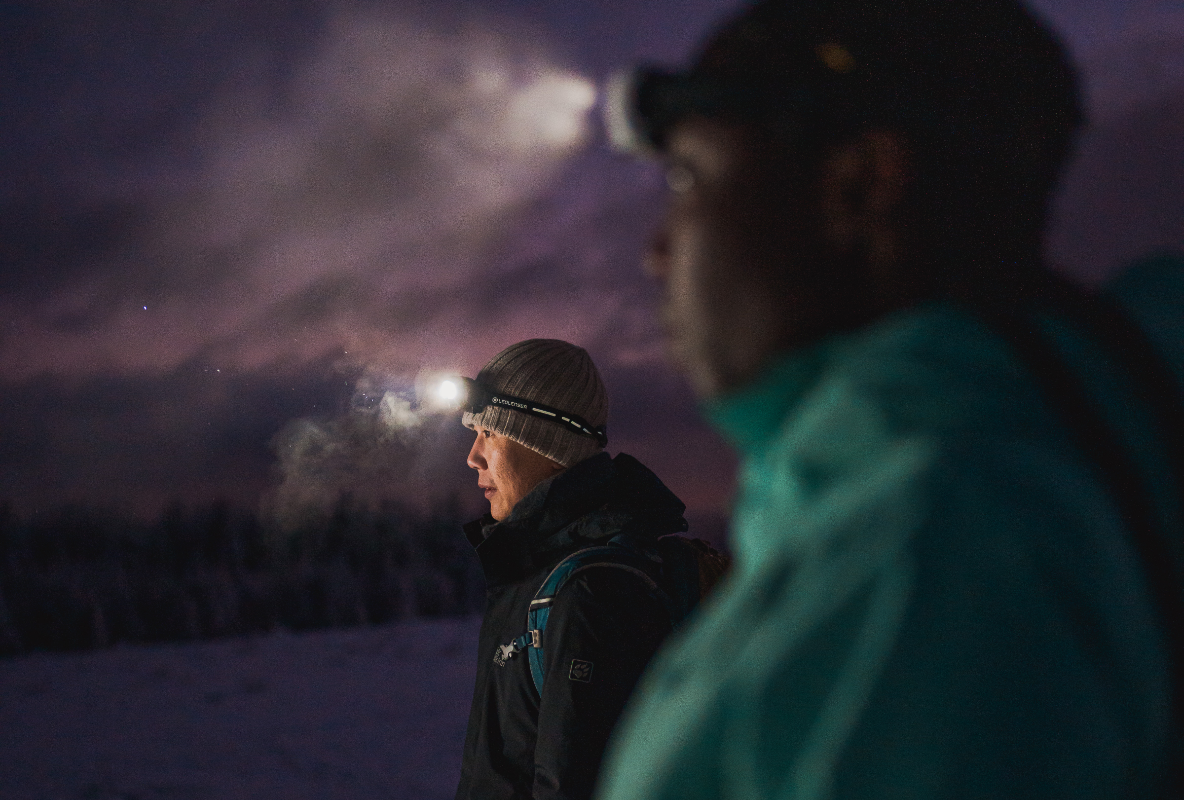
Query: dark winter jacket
[519,745]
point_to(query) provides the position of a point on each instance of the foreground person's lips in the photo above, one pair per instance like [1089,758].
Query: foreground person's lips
[489,490]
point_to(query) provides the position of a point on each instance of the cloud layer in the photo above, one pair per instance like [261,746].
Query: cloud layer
[224,223]
[399,154]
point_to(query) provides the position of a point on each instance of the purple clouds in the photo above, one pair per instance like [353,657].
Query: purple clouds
[223,222]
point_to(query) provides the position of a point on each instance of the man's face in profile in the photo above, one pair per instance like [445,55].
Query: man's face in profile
[506,470]
[734,233]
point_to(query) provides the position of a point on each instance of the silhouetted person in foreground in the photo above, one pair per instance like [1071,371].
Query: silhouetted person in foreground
[958,522]
[580,589]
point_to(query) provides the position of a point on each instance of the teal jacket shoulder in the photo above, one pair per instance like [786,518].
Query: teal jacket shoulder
[935,595]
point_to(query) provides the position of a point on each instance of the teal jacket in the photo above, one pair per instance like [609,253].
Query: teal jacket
[934,595]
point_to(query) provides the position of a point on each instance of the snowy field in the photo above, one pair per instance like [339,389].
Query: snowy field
[364,713]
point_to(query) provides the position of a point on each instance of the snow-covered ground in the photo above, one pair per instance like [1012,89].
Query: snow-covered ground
[364,713]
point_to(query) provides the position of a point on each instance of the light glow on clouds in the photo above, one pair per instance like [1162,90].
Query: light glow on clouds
[381,191]
[397,165]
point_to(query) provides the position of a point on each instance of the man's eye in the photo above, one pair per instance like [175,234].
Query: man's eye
[679,178]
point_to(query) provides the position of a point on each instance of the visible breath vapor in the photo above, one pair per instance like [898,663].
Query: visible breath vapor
[384,445]
[335,208]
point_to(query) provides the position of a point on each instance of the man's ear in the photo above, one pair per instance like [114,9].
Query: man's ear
[862,184]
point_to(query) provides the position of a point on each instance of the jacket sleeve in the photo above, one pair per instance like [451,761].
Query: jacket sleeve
[604,627]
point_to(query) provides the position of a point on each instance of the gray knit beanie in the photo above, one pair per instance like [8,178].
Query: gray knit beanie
[554,373]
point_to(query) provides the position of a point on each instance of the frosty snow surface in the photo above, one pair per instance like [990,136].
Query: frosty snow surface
[373,712]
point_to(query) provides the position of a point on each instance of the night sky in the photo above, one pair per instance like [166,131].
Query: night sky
[233,233]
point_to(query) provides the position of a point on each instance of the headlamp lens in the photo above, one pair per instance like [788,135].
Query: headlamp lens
[444,392]
[635,112]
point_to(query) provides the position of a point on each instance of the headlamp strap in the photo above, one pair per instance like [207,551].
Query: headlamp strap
[479,396]
[573,422]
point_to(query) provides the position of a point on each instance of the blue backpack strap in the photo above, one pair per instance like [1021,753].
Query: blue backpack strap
[616,554]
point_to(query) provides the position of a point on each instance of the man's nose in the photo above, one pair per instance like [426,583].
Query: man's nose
[476,458]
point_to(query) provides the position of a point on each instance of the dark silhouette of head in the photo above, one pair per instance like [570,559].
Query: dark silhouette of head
[982,92]
[836,160]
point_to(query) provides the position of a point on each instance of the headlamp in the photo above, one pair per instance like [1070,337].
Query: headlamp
[642,104]
[466,394]
[831,88]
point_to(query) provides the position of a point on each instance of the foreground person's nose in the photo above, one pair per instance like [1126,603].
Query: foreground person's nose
[656,261]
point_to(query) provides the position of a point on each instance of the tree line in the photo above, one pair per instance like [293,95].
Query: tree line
[82,578]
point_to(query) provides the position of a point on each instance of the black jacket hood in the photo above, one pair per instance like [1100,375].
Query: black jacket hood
[591,501]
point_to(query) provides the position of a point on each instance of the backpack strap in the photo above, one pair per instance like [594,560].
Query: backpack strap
[1155,383]
[617,554]
[1129,345]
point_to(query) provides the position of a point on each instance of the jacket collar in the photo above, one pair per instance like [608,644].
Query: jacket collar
[590,501]
[750,416]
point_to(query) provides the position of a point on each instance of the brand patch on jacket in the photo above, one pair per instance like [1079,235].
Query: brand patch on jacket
[580,671]
[503,653]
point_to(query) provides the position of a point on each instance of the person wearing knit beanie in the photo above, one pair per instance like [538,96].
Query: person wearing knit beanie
[550,684]
[548,371]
